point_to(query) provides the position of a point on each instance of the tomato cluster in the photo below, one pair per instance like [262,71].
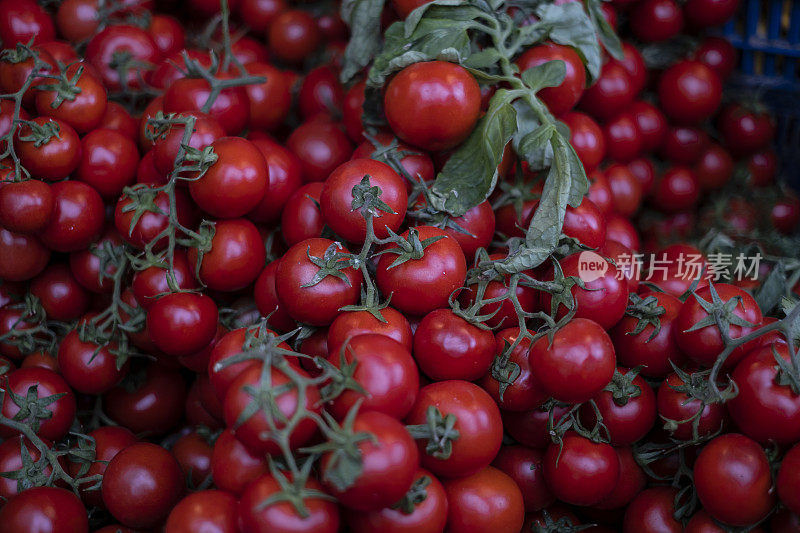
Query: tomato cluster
[233,297]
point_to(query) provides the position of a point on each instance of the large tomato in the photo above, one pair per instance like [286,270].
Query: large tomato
[213,510]
[478,423]
[579,471]
[488,500]
[45,509]
[433,105]
[578,363]
[52,409]
[561,98]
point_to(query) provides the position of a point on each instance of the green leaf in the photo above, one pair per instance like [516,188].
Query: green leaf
[605,32]
[413,18]
[364,19]
[549,74]
[770,292]
[538,154]
[566,184]
[471,172]
[568,24]
[485,59]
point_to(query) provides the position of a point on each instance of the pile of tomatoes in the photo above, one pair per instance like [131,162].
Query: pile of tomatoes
[231,301]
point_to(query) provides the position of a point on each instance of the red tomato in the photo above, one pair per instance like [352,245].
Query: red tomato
[764,410]
[182,323]
[524,393]
[189,95]
[422,284]
[338,196]
[562,98]
[656,20]
[524,466]
[57,157]
[156,478]
[733,481]
[428,515]
[714,168]
[385,371]
[580,472]
[88,367]
[108,441]
[652,511]
[118,40]
[681,412]
[487,500]
[689,92]
[45,508]
[215,510]
[285,176]
[25,206]
[627,419]
[587,139]
[611,94]
[478,424]
[788,480]
[577,365]
[744,130]
[622,135]
[293,35]
[678,189]
[51,419]
[85,112]
[235,183]
[432,104]
[351,323]
[321,147]
[389,464]
[233,466]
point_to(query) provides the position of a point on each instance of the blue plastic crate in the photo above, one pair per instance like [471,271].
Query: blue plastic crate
[767,34]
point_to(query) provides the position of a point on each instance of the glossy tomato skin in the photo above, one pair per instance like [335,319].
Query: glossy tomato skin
[579,363]
[678,189]
[86,111]
[433,104]
[389,464]
[634,65]
[733,480]
[295,270]
[764,410]
[678,407]
[562,98]
[714,168]
[25,206]
[704,344]
[320,92]
[479,223]
[602,300]
[236,256]
[651,124]
[651,511]
[709,13]
[763,166]
[418,286]
[53,160]
[266,297]
[139,233]
[117,39]
[189,95]
[524,466]
[428,516]
[336,199]
[302,218]
[235,183]
[281,516]
[150,283]
[417,165]
[254,431]
[718,54]
[653,355]
[531,427]
[233,466]
[108,162]
[788,479]
[59,292]
[611,94]
[207,509]
[626,192]
[154,406]
[270,100]
[581,472]
[478,423]
[656,20]
[87,367]
[77,217]
[23,21]
[182,323]
[487,500]
[626,422]
[744,130]
[321,147]
[352,323]
[165,148]
[587,139]
[293,35]
[525,393]
[689,92]
[151,481]
[622,135]
[632,480]
[285,176]
[684,145]
[446,346]
[109,441]
[48,509]
[46,383]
